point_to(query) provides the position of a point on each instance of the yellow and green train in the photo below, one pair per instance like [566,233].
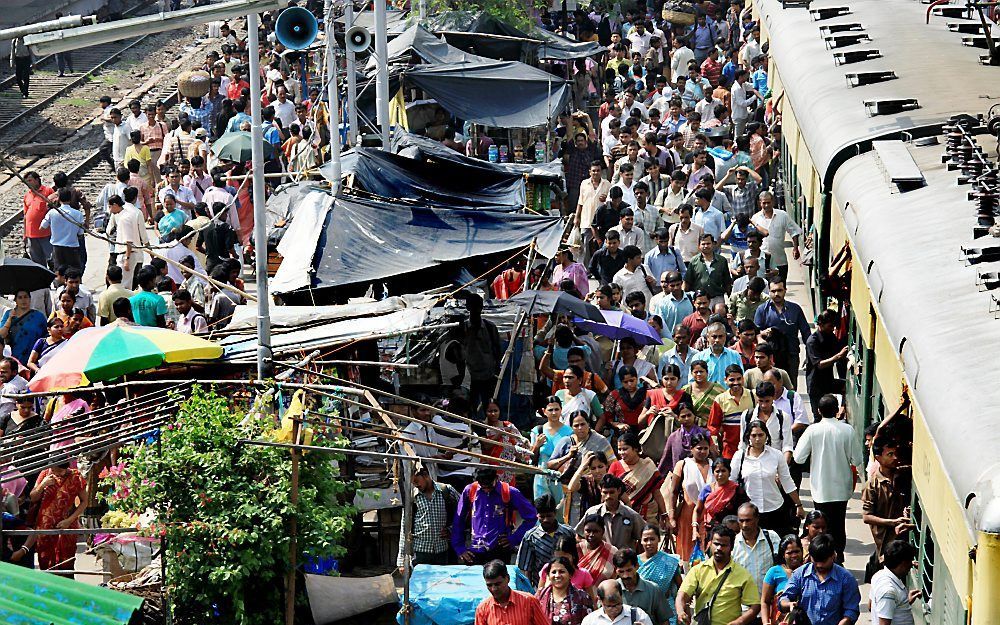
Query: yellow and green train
[867,90]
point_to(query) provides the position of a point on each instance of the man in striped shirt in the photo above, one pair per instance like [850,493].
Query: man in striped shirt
[540,541]
[433,507]
[506,606]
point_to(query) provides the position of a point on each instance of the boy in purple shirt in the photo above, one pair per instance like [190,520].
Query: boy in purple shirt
[488,506]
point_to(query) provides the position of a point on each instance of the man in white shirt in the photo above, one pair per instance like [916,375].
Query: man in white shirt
[613,610]
[628,103]
[629,233]
[189,320]
[672,196]
[890,600]
[284,109]
[626,183]
[834,449]
[131,233]
[740,101]
[10,382]
[634,276]
[756,549]
[679,58]
[184,196]
[775,223]
[119,137]
[138,119]
[640,39]
[593,191]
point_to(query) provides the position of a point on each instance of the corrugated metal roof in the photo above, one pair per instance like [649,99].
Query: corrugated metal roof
[930,63]
[930,299]
[31,597]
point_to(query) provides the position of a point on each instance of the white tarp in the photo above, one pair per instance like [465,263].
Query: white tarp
[298,245]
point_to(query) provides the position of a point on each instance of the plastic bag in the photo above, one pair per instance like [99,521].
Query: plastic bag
[697,555]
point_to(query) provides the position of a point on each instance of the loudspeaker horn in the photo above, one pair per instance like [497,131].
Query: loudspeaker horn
[357,39]
[296,28]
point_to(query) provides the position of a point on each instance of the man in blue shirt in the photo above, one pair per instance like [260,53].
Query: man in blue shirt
[717,355]
[789,320]
[234,124]
[703,38]
[272,134]
[825,590]
[672,304]
[66,223]
[711,219]
[664,257]
[486,507]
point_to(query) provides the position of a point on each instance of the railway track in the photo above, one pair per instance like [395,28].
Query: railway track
[89,174]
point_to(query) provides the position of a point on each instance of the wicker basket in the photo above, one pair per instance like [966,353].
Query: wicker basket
[194,84]
[678,17]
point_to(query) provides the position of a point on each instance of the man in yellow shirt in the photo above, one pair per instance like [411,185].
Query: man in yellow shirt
[720,583]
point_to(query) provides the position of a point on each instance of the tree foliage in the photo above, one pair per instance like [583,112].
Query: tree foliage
[224,509]
[518,13]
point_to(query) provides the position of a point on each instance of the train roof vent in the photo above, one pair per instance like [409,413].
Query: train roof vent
[898,165]
[966,28]
[988,280]
[830,29]
[829,12]
[890,106]
[975,41]
[855,56]
[985,254]
[952,11]
[860,79]
[845,39]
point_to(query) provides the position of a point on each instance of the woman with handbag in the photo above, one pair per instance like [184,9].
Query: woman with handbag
[760,468]
[718,500]
[641,477]
[789,559]
[568,452]
[687,480]
[659,567]
[544,438]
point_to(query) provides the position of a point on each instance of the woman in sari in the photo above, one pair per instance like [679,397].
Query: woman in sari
[562,603]
[719,499]
[689,476]
[61,493]
[595,552]
[21,326]
[45,348]
[584,488]
[571,451]
[662,401]
[70,408]
[776,578]
[659,567]
[624,405]
[642,480]
[702,391]
[507,440]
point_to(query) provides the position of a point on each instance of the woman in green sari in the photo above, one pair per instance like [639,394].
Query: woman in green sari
[702,391]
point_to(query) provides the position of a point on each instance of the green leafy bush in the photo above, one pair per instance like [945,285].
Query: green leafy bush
[224,510]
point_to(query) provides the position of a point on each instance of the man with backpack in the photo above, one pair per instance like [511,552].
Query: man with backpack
[433,505]
[756,548]
[486,508]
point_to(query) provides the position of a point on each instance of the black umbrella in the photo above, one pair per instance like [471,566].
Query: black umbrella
[555,302]
[18,274]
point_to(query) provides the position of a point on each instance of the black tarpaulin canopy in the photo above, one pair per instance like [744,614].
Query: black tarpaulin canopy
[364,240]
[424,148]
[426,46]
[501,94]
[448,184]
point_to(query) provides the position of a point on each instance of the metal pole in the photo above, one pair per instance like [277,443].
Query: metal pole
[260,223]
[406,494]
[352,83]
[332,98]
[382,81]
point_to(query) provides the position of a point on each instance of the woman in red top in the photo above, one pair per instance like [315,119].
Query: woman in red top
[624,405]
[663,401]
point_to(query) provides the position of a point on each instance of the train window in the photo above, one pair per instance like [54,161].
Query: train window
[923,540]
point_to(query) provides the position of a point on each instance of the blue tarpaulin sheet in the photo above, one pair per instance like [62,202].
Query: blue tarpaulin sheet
[448,595]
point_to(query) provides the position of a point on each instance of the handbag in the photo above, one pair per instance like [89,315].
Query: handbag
[704,615]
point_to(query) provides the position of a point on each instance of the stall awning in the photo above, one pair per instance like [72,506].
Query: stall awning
[429,48]
[366,240]
[501,94]
[446,184]
[33,597]
[424,148]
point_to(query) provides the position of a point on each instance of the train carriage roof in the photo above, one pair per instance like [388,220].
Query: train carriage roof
[930,63]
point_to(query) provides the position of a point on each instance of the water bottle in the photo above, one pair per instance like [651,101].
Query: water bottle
[494,154]
[504,155]
[540,152]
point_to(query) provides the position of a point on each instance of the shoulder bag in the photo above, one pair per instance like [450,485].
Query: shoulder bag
[704,615]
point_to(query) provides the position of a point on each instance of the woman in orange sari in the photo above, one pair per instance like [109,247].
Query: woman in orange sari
[687,480]
[61,493]
[642,479]
[595,552]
